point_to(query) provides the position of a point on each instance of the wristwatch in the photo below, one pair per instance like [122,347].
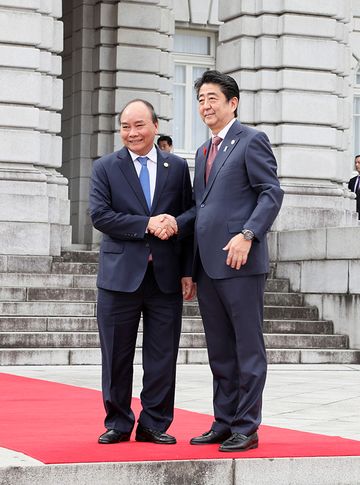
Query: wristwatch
[248,234]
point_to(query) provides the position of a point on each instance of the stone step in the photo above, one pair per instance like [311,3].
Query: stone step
[78,256]
[298,326]
[62,294]
[47,308]
[90,294]
[74,268]
[301,341]
[91,356]
[68,280]
[283,299]
[35,280]
[191,340]
[62,308]
[270,312]
[89,324]
[290,313]
[277,285]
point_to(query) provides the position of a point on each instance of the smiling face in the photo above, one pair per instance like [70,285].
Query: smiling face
[137,128]
[214,108]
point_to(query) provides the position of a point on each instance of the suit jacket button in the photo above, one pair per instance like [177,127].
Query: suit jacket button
[202,205]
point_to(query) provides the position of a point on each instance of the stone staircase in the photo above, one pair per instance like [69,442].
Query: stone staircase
[47,308]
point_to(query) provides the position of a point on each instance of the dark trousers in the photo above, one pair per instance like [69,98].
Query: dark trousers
[232,312]
[118,316]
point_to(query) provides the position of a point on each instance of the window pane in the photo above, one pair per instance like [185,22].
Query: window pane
[199,129]
[179,74]
[357,134]
[192,44]
[357,80]
[179,116]
[357,105]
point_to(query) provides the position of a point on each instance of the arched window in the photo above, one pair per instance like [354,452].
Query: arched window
[356,112]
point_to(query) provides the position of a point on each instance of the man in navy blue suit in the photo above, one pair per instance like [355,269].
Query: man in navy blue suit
[238,196]
[137,199]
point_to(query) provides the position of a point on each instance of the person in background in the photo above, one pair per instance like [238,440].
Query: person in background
[137,197]
[238,197]
[354,184]
[165,143]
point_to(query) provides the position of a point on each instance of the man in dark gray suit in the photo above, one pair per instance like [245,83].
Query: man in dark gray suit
[137,197]
[237,196]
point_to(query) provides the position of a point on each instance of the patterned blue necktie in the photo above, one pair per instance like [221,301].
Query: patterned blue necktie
[144,178]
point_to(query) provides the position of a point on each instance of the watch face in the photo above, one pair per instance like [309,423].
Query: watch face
[248,235]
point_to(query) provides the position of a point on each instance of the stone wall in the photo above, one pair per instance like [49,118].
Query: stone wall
[292,62]
[324,265]
[34,209]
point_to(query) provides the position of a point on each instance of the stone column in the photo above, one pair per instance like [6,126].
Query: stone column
[292,63]
[143,56]
[132,60]
[34,208]
[78,123]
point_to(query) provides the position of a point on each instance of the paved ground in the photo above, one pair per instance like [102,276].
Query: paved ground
[318,398]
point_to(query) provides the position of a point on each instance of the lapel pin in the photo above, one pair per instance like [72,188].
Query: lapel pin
[166,164]
[232,142]
[225,148]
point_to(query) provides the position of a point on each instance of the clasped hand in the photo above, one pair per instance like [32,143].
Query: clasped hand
[162,226]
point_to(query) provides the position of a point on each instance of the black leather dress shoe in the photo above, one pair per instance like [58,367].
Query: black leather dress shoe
[211,437]
[240,442]
[153,436]
[112,436]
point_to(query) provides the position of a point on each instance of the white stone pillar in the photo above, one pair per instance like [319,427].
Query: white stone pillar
[34,208]
[143,56]
[78,120]
[292,63]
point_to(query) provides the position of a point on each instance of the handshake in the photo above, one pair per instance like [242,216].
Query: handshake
[162,226]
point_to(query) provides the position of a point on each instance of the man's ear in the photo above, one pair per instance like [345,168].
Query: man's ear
[234,103]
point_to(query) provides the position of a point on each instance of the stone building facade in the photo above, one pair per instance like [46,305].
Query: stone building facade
[68,66]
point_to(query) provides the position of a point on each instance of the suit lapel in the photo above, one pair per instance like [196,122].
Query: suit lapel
[128,169]
[227,146]
[162,172]
[201,164]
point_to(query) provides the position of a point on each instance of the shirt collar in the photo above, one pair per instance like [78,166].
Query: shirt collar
[152,155]
[225,130]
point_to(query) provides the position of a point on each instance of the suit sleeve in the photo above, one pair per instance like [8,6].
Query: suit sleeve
[262,172]
[186,225]
[186,220]
[115,224]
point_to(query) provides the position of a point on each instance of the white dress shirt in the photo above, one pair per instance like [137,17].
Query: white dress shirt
[222,133]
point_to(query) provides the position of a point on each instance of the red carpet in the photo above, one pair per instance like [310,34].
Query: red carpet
[57,423]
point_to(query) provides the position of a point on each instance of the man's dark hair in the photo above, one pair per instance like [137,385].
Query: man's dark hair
[227,84]
[146,103]
[357,156]
[166,138]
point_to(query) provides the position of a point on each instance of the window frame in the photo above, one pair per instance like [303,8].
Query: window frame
[189,61]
